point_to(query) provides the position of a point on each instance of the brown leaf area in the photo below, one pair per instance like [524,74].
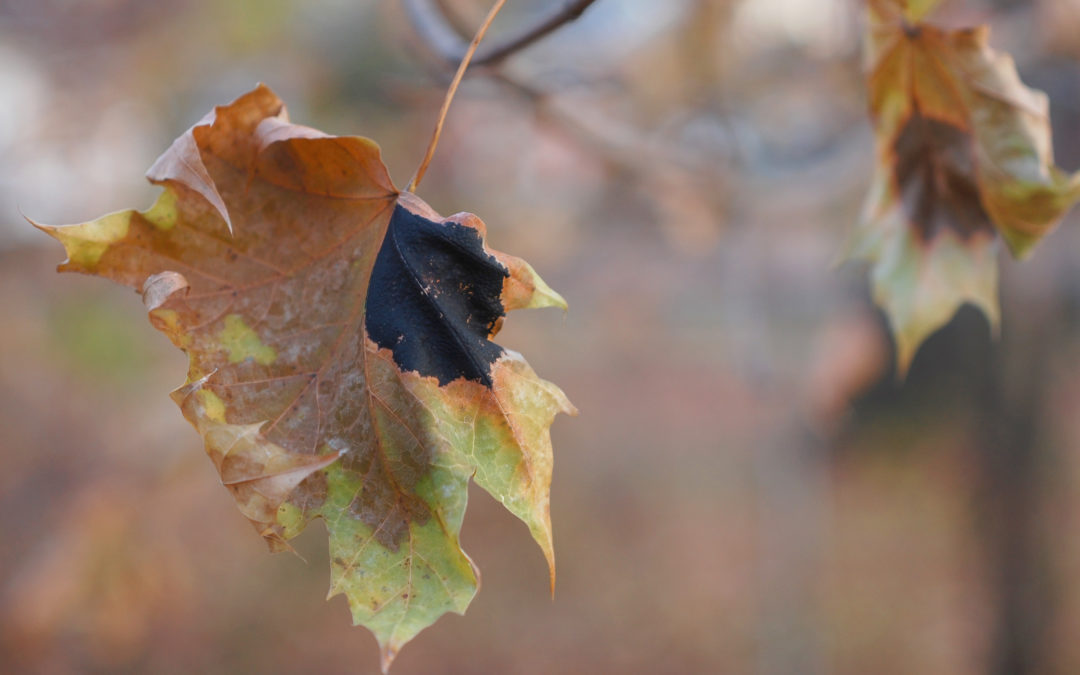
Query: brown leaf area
[935,169]
[260,293]
[945,101]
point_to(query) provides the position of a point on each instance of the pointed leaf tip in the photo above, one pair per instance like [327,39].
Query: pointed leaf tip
[387,655]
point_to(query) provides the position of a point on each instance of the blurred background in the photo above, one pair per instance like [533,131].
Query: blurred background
[748,488]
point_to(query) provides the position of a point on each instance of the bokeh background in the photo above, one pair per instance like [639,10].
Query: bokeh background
[748,489]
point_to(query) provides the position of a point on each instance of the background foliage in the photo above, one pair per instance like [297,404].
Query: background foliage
[747,490]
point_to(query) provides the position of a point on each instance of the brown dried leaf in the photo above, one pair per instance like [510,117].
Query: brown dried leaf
[340,361]
[963,157]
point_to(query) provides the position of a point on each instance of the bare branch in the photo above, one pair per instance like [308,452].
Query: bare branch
[429,20]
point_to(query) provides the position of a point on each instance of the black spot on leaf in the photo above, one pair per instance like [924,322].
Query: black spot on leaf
[434,299]
[935,171]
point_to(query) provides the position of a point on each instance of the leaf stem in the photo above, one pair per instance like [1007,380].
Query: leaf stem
[422,169]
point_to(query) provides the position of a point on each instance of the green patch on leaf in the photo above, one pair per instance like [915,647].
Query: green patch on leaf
[243,343]
[212,404]
[162,214]
[87,243]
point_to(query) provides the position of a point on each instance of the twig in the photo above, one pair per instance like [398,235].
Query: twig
[432,24]
[422,169]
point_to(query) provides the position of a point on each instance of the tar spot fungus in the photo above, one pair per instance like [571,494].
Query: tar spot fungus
[435,297]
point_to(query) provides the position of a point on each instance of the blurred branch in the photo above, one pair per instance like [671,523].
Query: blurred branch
[681,184]
[430,21]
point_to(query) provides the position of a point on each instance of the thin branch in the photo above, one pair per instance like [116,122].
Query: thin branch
[422,169]
[431,23]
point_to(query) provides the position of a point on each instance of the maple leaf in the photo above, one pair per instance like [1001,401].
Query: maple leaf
[964,160]
[340,356]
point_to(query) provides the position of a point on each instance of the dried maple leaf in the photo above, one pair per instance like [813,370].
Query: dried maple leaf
[963,157]
[340,356]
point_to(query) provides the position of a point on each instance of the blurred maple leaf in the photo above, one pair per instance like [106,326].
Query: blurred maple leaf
[964,157]
[340,361]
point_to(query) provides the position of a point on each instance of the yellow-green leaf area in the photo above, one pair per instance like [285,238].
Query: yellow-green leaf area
[163,214]
[291,519]
[170,323]
[88,242]
[397,591]
[243,343]
[504,441]
[543,295]
[213,406]
[916,10]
